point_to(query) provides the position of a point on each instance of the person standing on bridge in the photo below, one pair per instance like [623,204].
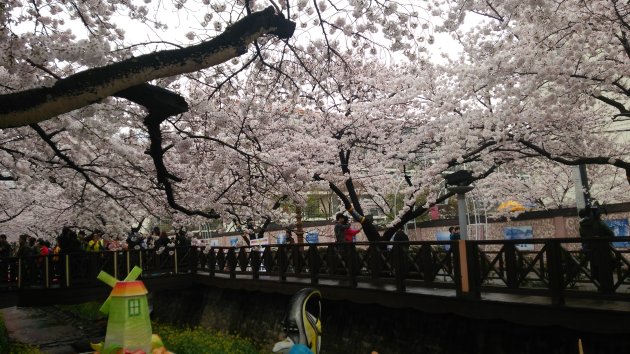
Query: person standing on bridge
[5,252]
[592,226]
[455,235]
[340,227]
[96,244]
[349,232]
[163,242]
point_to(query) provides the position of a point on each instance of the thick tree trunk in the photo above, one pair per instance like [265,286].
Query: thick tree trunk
[369,229]
[299,226]
[89,86]
[410,215]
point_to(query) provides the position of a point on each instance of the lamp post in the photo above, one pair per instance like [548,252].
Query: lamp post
[459,182]
[582,193]
[461,208]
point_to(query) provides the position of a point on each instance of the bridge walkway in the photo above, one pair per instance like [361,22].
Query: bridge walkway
[548,282]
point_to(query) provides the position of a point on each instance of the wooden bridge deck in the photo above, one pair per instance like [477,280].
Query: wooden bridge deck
[550,286]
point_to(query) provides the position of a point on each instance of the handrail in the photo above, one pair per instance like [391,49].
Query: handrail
[557,268]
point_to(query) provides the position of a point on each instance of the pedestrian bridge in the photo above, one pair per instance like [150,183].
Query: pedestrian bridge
[534,282]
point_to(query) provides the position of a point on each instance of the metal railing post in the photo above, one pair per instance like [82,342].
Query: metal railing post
[211,262]
[427,264]
[175,255]
[116,264]
[67,270]
[314,263]
[474,273]
[193,260]
[20,283]
[605,267]
[46,270]
[467,269]
[254,261]
[511,267]
[282,262]
[554,264]
[399,267]
[352,264]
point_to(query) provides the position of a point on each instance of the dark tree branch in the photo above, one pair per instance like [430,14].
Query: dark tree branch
[595,160]
[89,86]
[267,221]
[13,216]
[161,104]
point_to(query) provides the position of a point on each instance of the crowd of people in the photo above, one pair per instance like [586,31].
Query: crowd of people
[71,241]
[34,251]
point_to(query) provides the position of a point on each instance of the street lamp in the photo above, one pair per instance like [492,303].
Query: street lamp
[459,182]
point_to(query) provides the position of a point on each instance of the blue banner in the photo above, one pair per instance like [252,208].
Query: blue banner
[312,237]
[620,228]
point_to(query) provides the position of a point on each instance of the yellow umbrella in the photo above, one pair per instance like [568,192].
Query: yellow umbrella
[511,205]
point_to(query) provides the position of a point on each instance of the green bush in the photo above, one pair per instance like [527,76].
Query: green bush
[202,341]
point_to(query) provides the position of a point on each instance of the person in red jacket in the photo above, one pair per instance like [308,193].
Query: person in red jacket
[349,232]
[43,251]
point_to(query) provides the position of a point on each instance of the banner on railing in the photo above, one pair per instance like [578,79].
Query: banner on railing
[443,236]
[520,233]
[620,228]
[281,238]
[312,237]
[233,241]
[259,242]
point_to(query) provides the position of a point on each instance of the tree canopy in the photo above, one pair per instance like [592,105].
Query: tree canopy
[110,112]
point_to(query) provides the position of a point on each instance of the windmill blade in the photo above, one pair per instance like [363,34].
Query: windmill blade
[133,274]
[106,278]
[111,281]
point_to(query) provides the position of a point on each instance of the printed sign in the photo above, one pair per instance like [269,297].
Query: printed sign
[443,236]
[259,242]
[233,241]
[312,237]
[520,233]
[620,228]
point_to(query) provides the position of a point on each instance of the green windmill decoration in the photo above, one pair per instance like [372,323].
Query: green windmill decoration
[128,323]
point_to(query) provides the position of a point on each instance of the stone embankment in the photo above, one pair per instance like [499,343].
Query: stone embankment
[51,329]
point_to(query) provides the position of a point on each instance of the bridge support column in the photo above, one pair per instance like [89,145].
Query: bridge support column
[400,267]
[511,265]
[466,260]
[556,280]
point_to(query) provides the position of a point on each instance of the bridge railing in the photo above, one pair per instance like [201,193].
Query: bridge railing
[430,263]
[558,268]
[555,268]
[81,268]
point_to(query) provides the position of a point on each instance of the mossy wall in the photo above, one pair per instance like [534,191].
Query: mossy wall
[356,328]
[4,337]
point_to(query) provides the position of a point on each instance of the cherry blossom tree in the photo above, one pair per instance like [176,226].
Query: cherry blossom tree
[65,67]
[544,79]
